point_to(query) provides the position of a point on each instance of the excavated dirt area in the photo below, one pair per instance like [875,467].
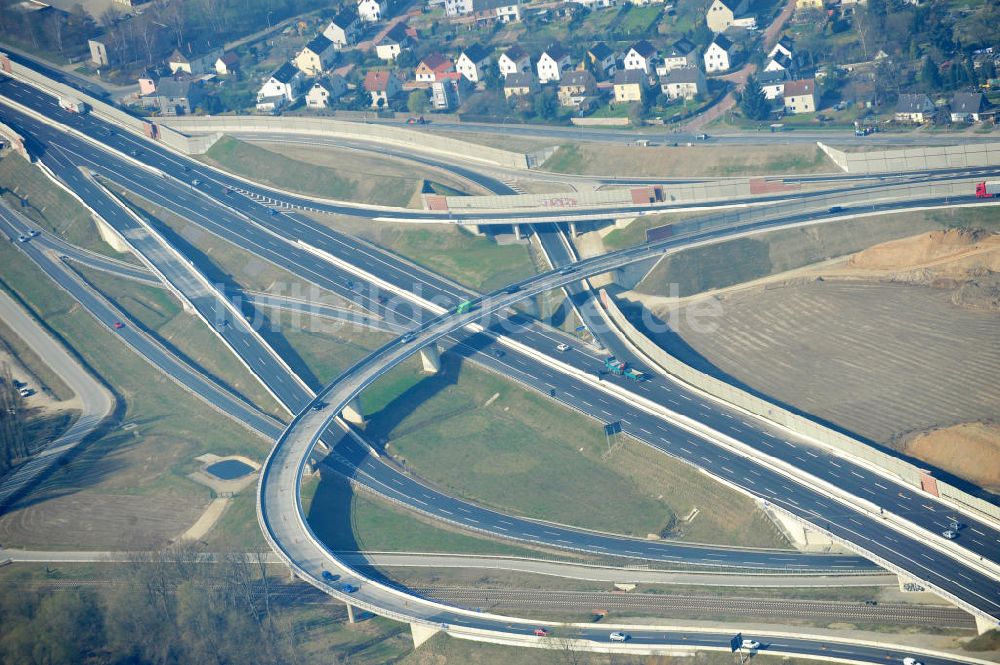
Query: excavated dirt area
[897,343]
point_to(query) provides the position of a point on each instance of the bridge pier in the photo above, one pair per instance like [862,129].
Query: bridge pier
[352,413]
[431,359]
[572,230]
[422,633]
[110,236]
[350,613]
[474,229]
[984,625]
[517,232]
[802,537]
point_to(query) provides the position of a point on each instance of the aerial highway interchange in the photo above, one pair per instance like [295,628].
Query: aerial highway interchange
[853,502]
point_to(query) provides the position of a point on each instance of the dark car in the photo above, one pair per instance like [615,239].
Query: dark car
[835,209]
[499,353]
[348,588]
[330,577]
[119,325]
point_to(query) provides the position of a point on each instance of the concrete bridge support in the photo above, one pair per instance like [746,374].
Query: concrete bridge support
[572,230]
[350,613]
[984,625]
[352,413]
[422,633]
[802,537]
[431,359]
[517,232]
[110,236]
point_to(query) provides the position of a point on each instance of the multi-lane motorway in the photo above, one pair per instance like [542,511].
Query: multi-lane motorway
[258,225]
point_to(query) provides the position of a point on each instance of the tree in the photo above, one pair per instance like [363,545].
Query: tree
[753,101]
[545,104]
[930,76]
[417,102]
[636,114]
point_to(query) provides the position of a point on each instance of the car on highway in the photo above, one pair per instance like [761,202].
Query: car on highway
[195,182]
[26,392]
[329,577]
[498,353]
[835,209]
[950,534]
[119,325]
[33,233]
[750,644]
[702,137]
[618,637]
[541,632]
[348,588]
[562,347]
[567,270]
[22,238]
[513,288]
[408,337]
[319,406]
[911,661]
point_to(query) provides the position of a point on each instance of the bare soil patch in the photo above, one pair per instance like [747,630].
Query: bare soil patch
[970,451]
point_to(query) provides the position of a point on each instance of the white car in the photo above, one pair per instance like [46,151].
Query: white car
[618,637]
[750,644]
[562,347]
[950,534]
[911,661]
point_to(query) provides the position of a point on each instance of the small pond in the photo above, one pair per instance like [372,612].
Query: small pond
[229,469]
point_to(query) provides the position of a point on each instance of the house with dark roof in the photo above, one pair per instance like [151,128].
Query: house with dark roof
[194,59]
[576,86]
[174,96]
[519,84]
[284,82]
[344,29]
[967,106]
[780,61]
[316,57]
[472,62]
[630,85]
[392,43]
[601,59]
[784,45]
[773,82]
[683,83]
[514,60]
[325,91]
[683,53]
[914,108]
[640,56]
[227,64]
[719,55]
[552,63]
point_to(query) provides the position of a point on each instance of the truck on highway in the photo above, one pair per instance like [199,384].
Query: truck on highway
[633,374]
[73,104]
[987,190]
[615,366]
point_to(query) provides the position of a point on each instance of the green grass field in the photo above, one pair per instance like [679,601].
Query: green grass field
[475,261]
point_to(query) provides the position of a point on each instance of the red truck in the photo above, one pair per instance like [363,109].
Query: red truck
[987,190]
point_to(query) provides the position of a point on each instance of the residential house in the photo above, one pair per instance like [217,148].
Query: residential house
[472,62]
[381,86]
[640,56]
[719,54]
[433,67]
[800,96]
[519,84]
[785,45]
[551,64]
[227,64]
[174,96]
[316,57]
[913,108]
[773,83]
[722,14]
[967,106]
[284,83]
[630,85]
[193,61]
[371,11]
[514,60]
[505,11]
[344,29]
[683,83]
[325,91]
[147,82]
[683,53]
[779,61]
[576,86]
[601,60]
[392,43]
[808,4]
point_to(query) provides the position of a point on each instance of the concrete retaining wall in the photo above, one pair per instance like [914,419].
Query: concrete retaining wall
[912,159]
[16,141]
[400,136]
[622,196]
[599,122]
[804,426]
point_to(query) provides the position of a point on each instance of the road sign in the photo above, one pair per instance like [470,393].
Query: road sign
[736,642]
[613,428]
